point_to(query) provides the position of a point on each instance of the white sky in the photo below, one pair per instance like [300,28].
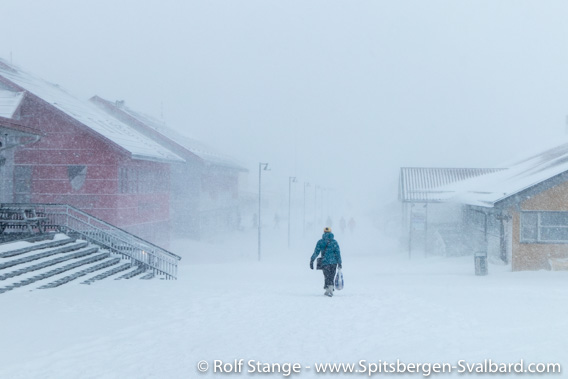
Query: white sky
[338,93]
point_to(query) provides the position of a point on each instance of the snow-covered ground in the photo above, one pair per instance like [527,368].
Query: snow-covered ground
[226,306]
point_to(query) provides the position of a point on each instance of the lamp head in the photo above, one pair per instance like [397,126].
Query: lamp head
[264,166]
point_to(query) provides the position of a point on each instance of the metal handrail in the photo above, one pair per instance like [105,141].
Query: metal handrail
[70,219]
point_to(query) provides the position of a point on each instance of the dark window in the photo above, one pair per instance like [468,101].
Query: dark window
[22,184]
[529,226]
[544,227]
[140,180]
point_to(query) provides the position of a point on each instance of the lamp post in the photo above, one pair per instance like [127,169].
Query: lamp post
[316,204]
[261,167]
[291,179]
[304,226]
[323,193]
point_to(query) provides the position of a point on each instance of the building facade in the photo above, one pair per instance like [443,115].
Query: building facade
[517,215]
[204,188]
[89,160]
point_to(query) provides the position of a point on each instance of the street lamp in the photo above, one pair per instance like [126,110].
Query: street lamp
[316,204]
[323,201]
[304,227]
[291,179]
[261,167]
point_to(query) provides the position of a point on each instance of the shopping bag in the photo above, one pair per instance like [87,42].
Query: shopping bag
[339,280]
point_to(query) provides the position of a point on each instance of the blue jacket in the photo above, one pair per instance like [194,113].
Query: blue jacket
[331,255]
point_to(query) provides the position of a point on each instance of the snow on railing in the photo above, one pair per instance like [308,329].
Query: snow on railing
[72,220]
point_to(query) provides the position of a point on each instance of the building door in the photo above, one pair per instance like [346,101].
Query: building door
[22,184]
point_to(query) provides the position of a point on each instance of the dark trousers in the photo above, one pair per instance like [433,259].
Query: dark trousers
[329,274]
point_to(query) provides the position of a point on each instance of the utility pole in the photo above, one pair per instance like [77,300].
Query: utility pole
[261,166]
[291,179]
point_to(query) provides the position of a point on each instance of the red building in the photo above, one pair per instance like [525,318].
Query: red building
[88,159]
[204,188]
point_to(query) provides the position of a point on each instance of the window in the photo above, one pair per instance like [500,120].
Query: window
[140,180]
[544,227]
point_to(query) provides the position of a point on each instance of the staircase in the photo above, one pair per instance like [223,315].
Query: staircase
[60,259]
[75,223]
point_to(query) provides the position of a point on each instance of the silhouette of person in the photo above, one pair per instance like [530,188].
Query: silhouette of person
[342,224]
[351,225]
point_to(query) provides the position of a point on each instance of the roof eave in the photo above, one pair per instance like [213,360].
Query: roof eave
[157,159]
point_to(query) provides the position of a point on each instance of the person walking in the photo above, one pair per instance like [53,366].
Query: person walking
[342,224]
[330,259]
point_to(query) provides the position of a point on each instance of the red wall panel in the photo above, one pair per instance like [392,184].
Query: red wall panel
[63,187]
[94,172]
[67,143]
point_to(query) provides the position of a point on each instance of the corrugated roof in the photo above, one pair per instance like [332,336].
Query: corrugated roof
[490,189]
[138,145]
[9,102]
[426,184]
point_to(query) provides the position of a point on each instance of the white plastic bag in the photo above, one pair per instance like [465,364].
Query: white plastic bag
[338,280]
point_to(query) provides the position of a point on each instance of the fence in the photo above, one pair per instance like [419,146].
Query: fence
[71,220]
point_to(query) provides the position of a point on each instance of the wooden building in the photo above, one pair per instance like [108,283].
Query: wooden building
[88,159]
[204,188]
[518,214]
[431,225]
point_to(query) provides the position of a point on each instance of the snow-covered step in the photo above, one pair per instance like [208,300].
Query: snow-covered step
[56,271]
[60,260]
[41,265]
[49,252]
[107,263]
[8,252]
[148,276]
[108,273]
[137,271]
[75,270]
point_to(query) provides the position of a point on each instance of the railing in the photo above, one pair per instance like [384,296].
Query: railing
[74,221]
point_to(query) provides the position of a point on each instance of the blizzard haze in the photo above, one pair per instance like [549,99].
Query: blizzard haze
[340,94]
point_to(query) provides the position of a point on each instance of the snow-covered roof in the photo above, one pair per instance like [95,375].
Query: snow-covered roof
[9,102]
[203,151]
[426,184]
[487,190]
[206,153]
[138,145]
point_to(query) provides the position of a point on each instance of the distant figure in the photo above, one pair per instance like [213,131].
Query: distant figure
[342,225]
[351,225]
[276,221]
[238,221]
[255,220]
[330,259]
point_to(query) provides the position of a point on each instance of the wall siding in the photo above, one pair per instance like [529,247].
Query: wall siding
[535,256]
[67,144]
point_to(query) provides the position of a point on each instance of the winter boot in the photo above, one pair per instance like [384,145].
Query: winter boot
[329,291]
